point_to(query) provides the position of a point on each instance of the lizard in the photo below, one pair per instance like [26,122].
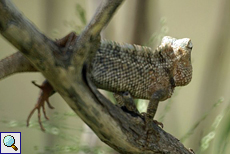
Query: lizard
[133,72]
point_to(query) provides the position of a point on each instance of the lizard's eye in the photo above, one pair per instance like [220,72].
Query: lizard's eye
[126,93]
[189,45]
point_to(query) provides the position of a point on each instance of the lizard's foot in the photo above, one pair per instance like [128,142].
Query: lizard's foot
[46,91]
[145,116]
[149,128]
[126,103]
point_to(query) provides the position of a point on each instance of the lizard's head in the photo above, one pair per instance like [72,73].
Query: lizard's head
[182,67]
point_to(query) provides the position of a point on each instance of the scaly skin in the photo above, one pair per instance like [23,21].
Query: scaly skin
[140,70]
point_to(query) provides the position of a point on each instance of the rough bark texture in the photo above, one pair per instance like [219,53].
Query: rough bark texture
[64,69]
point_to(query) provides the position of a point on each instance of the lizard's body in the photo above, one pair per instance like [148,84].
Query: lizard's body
[140,70]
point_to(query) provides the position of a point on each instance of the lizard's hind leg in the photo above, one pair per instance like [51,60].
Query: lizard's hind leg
[126,103]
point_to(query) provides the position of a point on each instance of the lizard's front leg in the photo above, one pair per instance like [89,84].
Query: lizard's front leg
[152,108]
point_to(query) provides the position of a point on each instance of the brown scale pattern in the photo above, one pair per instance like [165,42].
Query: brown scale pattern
[140,70]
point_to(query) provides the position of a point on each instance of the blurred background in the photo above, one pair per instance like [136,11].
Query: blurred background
[197,114]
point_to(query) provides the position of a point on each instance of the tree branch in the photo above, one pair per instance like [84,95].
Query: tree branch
[15,63]
[64,69]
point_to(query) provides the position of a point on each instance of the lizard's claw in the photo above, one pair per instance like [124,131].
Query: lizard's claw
[159,123]
[46,91]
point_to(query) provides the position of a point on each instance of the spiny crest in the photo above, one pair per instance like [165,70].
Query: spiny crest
[130,48]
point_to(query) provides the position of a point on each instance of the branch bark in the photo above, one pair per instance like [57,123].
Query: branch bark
[64,69]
